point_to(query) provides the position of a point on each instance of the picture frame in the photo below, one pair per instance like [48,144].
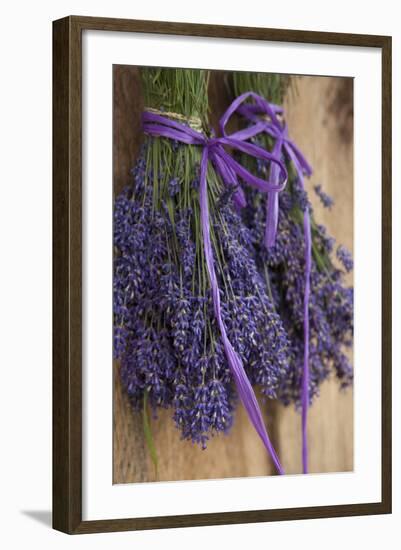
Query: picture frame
[68,223]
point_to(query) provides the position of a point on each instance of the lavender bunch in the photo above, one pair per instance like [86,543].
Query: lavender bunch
[165,333]
[159,323]
[282,267]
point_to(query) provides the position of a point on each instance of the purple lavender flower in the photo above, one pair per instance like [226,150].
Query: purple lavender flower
[325,199]
[173,186]
[120,341]
[220,406]
[345,258]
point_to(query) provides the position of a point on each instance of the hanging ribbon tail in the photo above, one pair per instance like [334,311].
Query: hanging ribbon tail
[305,370]
[244,387]
[248,398]
[302,167]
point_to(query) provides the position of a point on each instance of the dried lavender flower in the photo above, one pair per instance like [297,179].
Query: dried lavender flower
[325,199]
[345,258]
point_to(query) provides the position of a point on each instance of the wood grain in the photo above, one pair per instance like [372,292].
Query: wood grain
[319,113]
[67,271]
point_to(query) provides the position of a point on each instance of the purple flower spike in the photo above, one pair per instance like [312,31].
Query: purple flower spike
[325,199]
[345,258]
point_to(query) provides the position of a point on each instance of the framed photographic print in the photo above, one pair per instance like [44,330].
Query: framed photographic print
[222,275]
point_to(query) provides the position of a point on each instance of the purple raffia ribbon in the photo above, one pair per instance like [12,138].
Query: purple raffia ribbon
[229,170]
[283,145]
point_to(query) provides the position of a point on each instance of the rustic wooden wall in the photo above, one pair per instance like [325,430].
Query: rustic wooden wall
[319,114]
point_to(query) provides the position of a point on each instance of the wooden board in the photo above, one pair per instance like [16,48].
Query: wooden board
[319,114]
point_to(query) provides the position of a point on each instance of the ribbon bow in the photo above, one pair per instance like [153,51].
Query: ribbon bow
[265,118]
[229,170]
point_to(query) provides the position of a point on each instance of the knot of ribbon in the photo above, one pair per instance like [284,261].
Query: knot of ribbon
[265,117]
[230,172]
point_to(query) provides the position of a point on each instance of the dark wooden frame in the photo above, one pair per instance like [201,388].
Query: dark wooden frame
[67,225]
